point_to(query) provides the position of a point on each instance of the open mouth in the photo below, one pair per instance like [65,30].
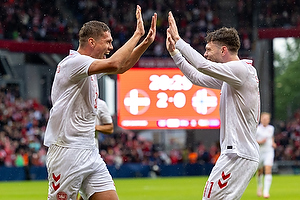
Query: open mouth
[104,56]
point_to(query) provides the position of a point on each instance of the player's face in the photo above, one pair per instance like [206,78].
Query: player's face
[265,119]
[213,52]
[103,46]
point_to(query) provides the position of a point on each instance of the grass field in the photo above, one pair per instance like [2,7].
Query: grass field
[174,188]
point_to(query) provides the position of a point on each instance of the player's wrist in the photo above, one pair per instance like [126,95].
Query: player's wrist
[173,53]
[176,38]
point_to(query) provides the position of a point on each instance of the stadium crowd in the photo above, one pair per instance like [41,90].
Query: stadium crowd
[129,147]
[287,139]
[279,13]
[269,14]
[22,122]
[195,18]
[33,20]
[22,126]
[40,20]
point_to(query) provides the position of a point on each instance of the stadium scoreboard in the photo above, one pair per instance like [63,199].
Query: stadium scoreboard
[152,98]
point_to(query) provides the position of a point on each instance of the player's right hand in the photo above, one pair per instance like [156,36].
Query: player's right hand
[170,43]
[152,32]
[140,30]
[173,28]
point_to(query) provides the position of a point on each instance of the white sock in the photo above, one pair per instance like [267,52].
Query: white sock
[259,181]
[267,183]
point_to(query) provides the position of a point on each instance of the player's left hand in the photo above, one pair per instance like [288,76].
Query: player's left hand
[152,31]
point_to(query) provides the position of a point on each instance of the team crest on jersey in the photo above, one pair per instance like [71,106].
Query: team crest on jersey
[61,196]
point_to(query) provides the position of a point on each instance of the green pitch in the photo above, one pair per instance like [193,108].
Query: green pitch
[174,188]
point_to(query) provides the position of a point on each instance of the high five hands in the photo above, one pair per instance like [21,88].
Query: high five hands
[172,34]
[149,39]
[172,31]
[152,32]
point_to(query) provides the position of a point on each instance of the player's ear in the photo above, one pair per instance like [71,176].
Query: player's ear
[91,42]
[224,50]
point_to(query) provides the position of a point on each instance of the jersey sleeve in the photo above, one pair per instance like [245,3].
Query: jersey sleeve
[232,72]
[103,114]
[100,75]
[194,75]
[80,67]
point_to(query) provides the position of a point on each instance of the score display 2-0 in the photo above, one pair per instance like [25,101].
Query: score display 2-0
[165,98]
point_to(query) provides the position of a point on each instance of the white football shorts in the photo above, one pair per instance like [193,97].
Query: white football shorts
[71,170]
[266,158]
[229,178]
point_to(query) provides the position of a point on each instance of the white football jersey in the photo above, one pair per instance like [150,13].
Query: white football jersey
[239,102]
[265,132]
[103,115]
[74,97]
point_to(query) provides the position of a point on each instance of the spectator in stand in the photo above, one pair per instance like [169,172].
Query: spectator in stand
[214,153]
[192,156]
[203,154]
[175,156]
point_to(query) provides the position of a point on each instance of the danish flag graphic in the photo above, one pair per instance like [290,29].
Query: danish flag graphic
[137,101]
[204,101]
[222,181]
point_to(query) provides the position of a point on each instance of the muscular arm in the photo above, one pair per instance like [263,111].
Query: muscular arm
[105,128]
[118,59]
[141,48]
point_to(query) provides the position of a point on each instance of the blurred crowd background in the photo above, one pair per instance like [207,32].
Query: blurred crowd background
[23,121]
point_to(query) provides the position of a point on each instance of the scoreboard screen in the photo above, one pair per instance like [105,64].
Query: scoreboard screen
[165,99]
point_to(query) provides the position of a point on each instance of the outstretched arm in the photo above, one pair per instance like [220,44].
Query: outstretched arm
[118,59]
[187,69]
[141,48]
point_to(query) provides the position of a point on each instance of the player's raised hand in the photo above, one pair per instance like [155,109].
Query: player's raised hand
[152,31]
[139,21]
[173,27]
[170,43]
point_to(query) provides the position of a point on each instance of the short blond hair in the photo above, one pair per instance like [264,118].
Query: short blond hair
[265,113]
